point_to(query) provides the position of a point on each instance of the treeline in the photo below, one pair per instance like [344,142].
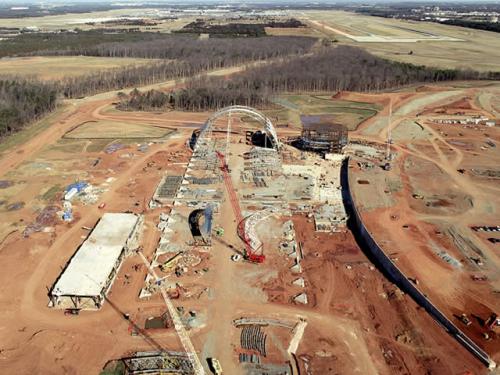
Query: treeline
[117,79]
[488,26]
[184,56]
[34,43]
[148,45]
[236,29]
[22,102]
[332,69]
[189,57]
[151,100]
[220,52]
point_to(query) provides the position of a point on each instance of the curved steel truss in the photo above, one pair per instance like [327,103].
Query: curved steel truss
[256,115]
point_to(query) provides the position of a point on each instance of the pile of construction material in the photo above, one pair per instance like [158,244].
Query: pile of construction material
[331,218]
[85,192]
[249,358]
[159,362]
[253,338]
[45,219]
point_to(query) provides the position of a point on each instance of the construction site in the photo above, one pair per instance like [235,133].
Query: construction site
[224,243]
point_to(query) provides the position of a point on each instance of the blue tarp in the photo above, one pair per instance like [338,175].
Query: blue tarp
[79,186]
[113,147]
[67,216]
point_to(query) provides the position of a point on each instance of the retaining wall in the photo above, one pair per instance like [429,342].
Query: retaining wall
[391,271]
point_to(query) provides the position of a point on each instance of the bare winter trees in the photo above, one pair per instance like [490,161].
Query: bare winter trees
[179,56]
[211,53]
[186,56]
[22,102]
[143,101]
[331,69]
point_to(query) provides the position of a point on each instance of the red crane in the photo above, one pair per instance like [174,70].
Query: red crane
[250,255]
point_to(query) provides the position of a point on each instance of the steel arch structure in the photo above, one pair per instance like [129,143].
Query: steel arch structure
[252,112]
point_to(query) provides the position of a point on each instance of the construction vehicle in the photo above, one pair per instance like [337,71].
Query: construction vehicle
[465,320]
[479,277]
[71,311]
[492,321]
[175,293]
[249,255]
[215,365]
[171,262]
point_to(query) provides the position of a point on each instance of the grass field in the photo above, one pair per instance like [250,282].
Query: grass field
[293,31]
[82,20]
[53,68]
[115,130]
[348,113]
[476,49]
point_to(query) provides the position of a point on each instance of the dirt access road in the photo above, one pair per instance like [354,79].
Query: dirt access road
[438,165]
[77,112]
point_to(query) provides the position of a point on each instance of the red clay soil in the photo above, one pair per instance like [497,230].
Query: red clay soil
[408,228]
[36,339]
[341,282]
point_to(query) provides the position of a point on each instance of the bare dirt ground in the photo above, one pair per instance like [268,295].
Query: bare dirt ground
[357,322]
[438,196]
[341,281]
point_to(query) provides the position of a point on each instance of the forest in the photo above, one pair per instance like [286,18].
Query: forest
[332,69]
[294,68]
[22,102]
[230,29]
[34,43]
[219,51]
[480,25]
[181,56]
[237,29]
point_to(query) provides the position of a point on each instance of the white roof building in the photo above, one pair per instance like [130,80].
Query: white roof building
[91,271]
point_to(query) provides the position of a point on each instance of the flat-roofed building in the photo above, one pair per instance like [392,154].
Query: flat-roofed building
[90,272]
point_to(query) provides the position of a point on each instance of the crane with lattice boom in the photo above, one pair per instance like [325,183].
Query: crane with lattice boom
[178,325]
[250,254]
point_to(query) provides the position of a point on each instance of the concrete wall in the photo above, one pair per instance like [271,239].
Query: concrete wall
[394,274]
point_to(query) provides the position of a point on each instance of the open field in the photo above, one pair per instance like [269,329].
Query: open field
[82,20]
[294,31]
[325,107]
[430,44]
[114,130]
[54,68]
